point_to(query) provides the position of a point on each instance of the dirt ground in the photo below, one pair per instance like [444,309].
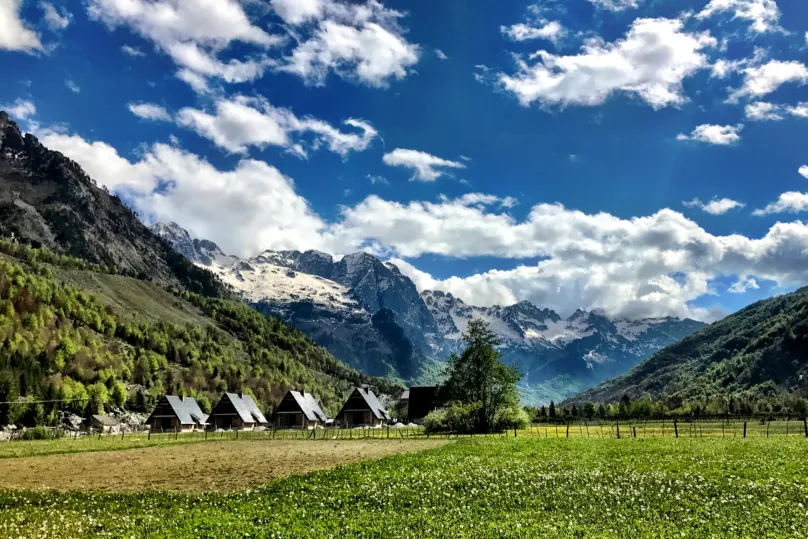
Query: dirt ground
[212,466]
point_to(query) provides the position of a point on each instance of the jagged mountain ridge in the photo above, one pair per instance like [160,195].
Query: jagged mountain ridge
[47,200]
[588,346]
[338,304]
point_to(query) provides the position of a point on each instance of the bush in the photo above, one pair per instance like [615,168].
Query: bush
[512,417]
[40,433]
[435,421]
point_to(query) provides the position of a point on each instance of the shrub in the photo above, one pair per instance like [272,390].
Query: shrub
[512,417]
[435,421]
[40,433]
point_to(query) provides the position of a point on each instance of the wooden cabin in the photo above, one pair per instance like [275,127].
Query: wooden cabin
[236,411]
[420,401]
[174,413]
[299,410]
[362,409]
[104,423]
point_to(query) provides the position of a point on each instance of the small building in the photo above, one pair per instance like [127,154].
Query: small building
[236,411]
[174,413]
[104,423]
[362,409]
[299,410]
[421,401]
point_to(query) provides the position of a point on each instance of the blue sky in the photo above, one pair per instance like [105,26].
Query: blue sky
[517,150]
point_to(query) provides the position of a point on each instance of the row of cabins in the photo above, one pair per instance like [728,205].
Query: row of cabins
[297,410]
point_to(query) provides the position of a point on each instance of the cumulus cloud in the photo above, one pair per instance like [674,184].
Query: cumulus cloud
[14,34]
[149,111]
[763,15]
[790,202]
[653,265]
[762,79]
[650,62]
[616,5]
[763,111]
[246,209]
[72,86]
[549,30]
[192,33]
[239,122]
[715,206]
[55,19]
[441,55]
[426,167]
[356,41]
[804,171]
[722,135]
[800,110]
[644,266]
[21,109]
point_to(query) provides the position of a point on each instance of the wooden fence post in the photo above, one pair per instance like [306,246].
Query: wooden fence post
[635,431]
[768,424]
[148,436]
[805,426]
[176,433]
[618,430]
[568,429]
[744,429]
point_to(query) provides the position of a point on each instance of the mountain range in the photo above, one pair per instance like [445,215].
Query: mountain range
[370,315]
[761,350]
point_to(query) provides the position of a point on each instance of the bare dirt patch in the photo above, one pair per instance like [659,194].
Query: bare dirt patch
[212,466]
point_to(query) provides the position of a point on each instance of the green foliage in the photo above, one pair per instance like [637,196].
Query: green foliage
[478,380]
[477,488]
[59,343]
[757,355]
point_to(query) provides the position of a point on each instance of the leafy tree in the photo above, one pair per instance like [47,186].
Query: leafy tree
[477,378]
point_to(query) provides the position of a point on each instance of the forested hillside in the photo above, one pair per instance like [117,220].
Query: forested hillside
[759,351]
[63,344]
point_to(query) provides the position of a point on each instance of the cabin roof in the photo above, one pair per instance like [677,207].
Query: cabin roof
[246,408]
[371,402]
[106,420]
[309,405]
[187,410]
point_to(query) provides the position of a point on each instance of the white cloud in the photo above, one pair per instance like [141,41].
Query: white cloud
[763,111]
[149,111]
[132,51]
[616,5]
[644,266]
[722,135]
[14,34]
[192,33]
[549,30]
[804,171]
[53,18]
[800,110]
[654,265]
[650,62]
[72,86]
[715,206]
[240,122]
[763,15]
[789,202]
[441,55]
[247,209]
[21,109]
[760,80]
[427,167]
[743,284]
[356,41]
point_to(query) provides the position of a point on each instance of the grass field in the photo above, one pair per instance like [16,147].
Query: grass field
[470,488]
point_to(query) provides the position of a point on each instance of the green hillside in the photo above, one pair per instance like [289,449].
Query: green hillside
[71,333]
[759,351]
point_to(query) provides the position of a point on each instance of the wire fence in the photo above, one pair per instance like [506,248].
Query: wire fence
[684,427]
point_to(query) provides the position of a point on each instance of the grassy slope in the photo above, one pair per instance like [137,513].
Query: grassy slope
[135,301]
[759,350]
[492,488]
